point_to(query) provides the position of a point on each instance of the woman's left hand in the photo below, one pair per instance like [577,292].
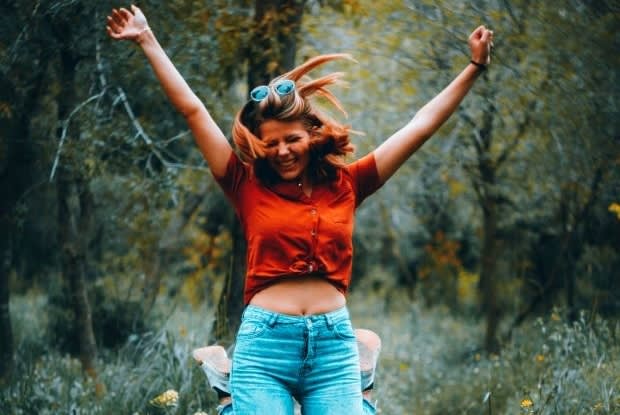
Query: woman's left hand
[127,25]
[480,44]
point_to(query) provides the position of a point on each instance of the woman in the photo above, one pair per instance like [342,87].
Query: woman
[296,198]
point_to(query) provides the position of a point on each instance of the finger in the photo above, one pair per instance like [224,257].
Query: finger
[137,12]
[126,13]
[111,33]
[113,25]
[485,37]
[118,18]
[479,31]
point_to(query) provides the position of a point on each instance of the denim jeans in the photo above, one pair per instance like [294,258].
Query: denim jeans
[312,359]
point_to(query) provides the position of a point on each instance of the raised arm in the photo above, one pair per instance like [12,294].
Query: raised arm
[132,25]
[392,153]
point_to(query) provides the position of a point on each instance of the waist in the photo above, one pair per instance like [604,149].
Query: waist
[300,296]
[270,317]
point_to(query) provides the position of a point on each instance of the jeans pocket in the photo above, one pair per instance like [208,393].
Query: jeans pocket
[250,329]
[344,330]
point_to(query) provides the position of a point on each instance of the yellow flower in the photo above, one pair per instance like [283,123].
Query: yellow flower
[183,331]
[168,398]
[540,358]
[615,208]
[555,317]
[526,403]
[597,406]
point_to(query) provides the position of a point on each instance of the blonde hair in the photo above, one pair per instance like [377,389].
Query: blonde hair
[329,139]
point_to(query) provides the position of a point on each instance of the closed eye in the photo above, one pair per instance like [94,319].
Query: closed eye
[292,138]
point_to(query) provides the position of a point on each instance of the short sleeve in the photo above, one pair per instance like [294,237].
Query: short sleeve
[236,174]
[365,177]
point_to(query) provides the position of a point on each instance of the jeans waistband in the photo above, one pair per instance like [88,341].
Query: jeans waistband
[272,317]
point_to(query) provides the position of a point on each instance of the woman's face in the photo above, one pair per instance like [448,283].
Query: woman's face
[287,147]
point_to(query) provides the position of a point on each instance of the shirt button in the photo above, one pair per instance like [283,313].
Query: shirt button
[313,212]
[310,267]
[313,232]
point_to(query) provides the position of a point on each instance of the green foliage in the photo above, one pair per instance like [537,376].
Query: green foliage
[55,384]
[551,145]
[551,128]
[431,364]
[115,319]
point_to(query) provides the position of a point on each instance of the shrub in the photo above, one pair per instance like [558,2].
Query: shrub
[114,320]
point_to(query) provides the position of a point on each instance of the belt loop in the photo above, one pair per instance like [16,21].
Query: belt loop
[329,320]
[273,318]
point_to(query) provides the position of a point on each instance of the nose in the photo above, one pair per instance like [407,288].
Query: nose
[283,149]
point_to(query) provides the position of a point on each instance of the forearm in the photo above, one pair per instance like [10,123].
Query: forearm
[175,87]
[208,136]
[126,25]
[392,153]
[437,111]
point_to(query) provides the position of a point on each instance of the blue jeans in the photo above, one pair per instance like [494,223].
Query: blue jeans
[313,359]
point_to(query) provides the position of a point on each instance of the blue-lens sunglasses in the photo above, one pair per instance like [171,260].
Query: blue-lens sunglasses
[282,87]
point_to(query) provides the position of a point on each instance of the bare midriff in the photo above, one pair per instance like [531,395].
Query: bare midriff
[300,296]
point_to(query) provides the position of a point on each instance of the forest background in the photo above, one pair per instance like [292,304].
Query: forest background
[489,264]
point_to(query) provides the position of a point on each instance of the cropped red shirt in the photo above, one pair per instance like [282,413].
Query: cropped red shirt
[291,234]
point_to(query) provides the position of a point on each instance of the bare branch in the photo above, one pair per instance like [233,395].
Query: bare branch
[136,124]
[65,126]
[517,138]
[13,53]
[477,138]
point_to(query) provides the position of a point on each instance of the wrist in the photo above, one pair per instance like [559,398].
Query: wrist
[143,35]
[479,66]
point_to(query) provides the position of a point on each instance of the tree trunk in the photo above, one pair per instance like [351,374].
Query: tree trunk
[73,209]
[490,204]
[17,167]
[488,273]
[274,45]
[6,332]
[230,305]
[392,249]
[75,212]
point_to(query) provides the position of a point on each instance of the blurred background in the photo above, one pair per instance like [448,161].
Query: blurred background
[489,265]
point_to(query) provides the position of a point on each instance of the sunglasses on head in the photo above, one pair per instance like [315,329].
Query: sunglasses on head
[282,87]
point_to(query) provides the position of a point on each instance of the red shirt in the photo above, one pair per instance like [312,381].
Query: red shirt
[291,234]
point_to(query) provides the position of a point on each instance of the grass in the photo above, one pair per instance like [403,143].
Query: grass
[430,364]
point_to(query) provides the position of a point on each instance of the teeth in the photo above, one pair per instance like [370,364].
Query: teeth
[287,164]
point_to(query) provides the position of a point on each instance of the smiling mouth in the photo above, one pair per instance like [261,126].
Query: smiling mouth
[287,165]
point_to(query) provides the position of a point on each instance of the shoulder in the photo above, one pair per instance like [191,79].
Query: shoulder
[365,166]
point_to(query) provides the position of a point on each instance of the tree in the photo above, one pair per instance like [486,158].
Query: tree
[270,51]
[521,135]
[20,92]
[75,200]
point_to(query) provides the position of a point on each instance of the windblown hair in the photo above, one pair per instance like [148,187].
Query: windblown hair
[329,140]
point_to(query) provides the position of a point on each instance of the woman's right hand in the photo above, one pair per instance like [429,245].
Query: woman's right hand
[127,25]
[481,45]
